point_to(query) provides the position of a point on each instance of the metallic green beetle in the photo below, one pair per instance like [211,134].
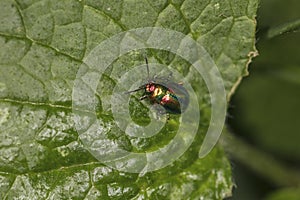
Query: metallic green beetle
[172,96]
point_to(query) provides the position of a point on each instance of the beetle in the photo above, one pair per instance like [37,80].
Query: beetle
[173,97]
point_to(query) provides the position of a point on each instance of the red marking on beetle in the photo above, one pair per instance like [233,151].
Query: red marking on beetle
[165,99]
[152,88]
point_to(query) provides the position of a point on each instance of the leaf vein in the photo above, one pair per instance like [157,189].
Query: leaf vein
[6,194]
[106,15]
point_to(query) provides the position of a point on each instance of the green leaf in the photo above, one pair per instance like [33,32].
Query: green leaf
[43,44]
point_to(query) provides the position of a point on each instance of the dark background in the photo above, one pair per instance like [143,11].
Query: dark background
[264,112]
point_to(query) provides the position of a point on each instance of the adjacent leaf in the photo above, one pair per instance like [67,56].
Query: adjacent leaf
[43,44]
[285,28]
[275,80]
[288,193]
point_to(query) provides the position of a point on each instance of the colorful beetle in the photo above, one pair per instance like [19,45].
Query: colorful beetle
[172,96]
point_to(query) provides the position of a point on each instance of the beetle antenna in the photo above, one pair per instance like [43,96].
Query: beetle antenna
[131,91]
[148,74]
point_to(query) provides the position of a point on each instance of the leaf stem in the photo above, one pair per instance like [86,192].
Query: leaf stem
[284,28]
[260,162]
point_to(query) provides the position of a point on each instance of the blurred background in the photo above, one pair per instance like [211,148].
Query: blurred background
[264,113]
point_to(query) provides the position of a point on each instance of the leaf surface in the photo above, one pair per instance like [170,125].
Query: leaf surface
[43,44]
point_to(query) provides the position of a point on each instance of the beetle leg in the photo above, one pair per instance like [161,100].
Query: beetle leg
[168,117]
[143,97]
